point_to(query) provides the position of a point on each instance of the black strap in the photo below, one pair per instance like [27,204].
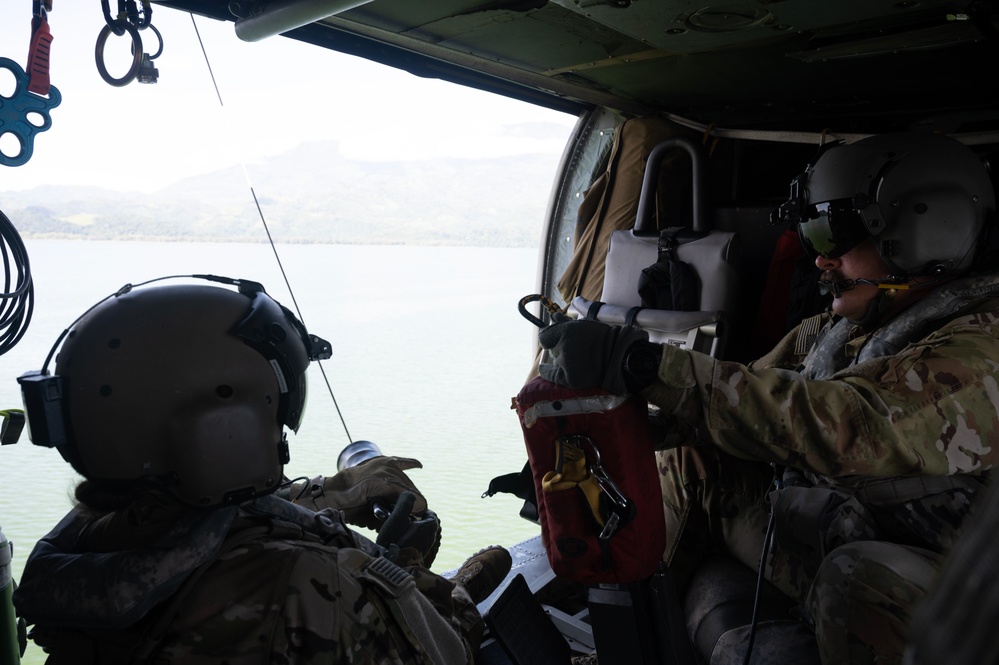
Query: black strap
[594,308]
[520,485]
[909,488]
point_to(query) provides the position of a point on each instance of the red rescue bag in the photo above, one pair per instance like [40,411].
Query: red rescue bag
[594,471]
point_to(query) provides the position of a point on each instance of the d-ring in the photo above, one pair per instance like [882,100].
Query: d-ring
[102,39]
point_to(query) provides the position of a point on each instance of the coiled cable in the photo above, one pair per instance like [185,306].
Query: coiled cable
[17,301]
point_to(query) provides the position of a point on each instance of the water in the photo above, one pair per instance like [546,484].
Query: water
[428,349]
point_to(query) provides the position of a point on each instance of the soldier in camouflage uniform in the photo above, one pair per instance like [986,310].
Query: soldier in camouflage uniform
[883,413]
[185,547]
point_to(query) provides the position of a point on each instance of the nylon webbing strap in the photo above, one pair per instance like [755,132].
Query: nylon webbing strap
[38,57]
[594,310]
[900,490]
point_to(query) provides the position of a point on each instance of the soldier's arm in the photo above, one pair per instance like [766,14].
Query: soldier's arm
[343,606]
[932,409]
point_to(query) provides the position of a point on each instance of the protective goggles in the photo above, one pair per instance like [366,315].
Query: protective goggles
[832,228]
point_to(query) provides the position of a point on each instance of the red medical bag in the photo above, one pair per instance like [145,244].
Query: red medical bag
[594,471]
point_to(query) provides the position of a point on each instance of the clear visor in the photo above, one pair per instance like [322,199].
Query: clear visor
[832,228]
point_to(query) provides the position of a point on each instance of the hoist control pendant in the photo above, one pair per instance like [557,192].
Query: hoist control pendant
[24,114]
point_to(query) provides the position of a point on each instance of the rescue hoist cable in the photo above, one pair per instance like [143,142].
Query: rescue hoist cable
[267,230]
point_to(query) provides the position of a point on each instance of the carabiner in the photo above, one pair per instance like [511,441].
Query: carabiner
[617,498]
[115,23]
[131,12]
[40,7]
[146,14]
[621,509]
[550,306]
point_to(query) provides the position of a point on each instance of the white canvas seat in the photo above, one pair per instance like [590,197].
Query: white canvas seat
[713,258]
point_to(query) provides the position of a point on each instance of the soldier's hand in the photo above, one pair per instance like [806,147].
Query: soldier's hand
[357,490]
[588,354]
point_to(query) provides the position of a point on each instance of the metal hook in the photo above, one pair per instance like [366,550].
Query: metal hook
[550,306]
[619,506]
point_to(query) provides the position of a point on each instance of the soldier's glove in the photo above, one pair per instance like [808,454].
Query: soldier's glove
[356,490]
[403,529]
[588,354]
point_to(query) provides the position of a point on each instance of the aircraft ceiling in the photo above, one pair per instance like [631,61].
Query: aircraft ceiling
[851,65]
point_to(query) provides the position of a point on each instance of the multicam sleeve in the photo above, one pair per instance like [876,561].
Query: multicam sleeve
[343,606]
[388,620]
[931,409]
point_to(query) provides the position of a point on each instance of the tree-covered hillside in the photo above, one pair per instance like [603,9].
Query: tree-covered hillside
[312,194]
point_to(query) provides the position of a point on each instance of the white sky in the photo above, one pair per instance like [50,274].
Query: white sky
[277,93]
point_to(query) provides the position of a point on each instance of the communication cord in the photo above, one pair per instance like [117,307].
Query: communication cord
[17,304]
[767,543]
[267,230]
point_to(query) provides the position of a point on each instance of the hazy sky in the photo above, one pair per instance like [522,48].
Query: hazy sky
[276,93]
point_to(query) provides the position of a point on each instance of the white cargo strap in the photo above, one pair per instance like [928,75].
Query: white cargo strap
[572,407]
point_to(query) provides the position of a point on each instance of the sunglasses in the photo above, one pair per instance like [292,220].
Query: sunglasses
[832,228]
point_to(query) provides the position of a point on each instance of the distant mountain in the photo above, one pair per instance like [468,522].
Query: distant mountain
[312,194]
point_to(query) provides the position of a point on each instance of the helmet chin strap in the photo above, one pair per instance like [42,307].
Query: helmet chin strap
[888,288]
[880,303]
[838,286]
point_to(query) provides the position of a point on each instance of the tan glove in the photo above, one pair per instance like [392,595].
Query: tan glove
[357,490]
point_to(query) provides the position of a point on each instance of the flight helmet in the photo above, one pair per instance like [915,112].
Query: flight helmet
[187,388]
[925,198]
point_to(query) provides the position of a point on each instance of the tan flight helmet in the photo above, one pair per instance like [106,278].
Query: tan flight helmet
[187,388]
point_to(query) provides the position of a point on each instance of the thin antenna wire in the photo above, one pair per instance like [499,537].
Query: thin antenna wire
[267,230]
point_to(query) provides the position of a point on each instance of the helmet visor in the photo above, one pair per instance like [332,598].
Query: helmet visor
[832,228]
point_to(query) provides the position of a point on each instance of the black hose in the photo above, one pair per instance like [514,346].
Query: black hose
[17,301]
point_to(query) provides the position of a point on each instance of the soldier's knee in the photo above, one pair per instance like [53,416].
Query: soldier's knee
[862,598]
[876,564]
[869,572]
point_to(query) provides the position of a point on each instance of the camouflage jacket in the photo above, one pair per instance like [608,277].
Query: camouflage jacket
[264,582]
[916,398]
